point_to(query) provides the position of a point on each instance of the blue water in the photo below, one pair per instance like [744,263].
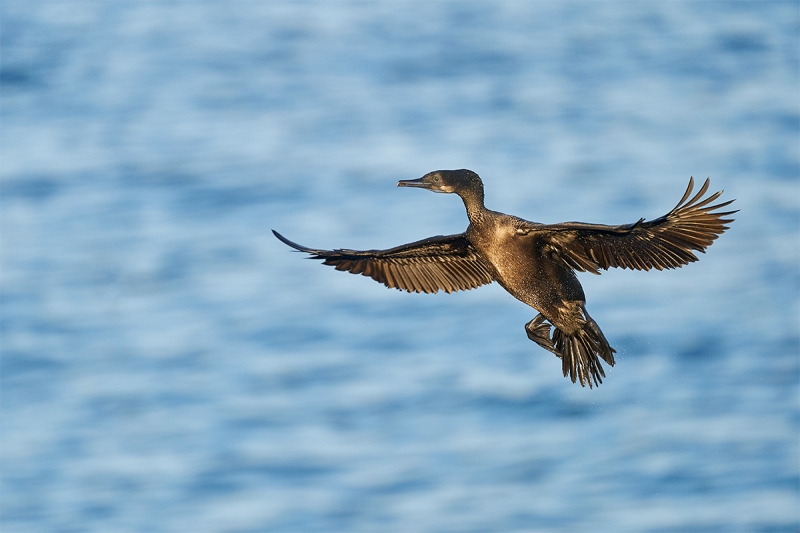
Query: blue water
[169,366]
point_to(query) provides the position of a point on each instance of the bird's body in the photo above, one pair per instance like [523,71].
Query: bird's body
[536,263]
[509,245]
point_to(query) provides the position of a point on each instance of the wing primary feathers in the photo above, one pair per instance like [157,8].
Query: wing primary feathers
[448,263]
[665,242]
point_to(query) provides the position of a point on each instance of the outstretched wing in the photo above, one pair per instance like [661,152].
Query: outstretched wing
[448,263]
[666,242]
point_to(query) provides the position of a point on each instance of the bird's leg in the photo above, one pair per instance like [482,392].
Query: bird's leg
[539,332]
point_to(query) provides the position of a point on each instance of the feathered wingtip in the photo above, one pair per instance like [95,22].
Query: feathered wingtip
[695,205]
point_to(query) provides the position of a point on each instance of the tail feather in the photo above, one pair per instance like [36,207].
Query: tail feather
[578,350]
[579,355]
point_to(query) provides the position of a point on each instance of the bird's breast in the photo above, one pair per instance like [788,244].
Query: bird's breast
[507,252]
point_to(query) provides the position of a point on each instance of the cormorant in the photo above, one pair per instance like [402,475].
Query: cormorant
[536,262]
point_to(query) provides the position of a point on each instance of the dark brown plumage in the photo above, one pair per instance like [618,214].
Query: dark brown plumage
[536,262]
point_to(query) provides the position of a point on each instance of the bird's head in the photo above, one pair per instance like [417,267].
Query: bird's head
[447,181]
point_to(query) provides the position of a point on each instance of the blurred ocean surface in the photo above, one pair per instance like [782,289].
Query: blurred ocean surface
[168,365]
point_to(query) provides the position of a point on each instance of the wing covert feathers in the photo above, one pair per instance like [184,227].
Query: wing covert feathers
[666,242]
[448,263]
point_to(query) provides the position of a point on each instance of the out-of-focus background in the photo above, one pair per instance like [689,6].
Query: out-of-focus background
[169,366]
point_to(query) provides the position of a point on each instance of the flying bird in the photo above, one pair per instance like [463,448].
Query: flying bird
[536,263]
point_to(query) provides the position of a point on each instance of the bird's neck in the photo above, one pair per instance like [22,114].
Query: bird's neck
[473,202]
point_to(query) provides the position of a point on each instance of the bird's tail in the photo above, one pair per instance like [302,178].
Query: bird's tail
[578,350]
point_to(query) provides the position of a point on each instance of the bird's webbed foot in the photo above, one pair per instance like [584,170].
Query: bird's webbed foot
[538,331]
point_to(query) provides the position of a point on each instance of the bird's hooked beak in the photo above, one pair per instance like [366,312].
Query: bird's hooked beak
[420,183]
[430,181]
